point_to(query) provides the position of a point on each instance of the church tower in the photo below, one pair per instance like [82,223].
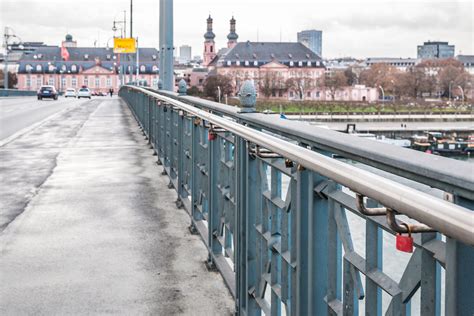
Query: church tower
[232,37]
[209,44]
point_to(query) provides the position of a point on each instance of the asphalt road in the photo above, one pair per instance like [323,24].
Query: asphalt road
[88,225]
[19,113]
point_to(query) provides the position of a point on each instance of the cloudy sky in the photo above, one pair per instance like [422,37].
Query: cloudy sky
[362,28]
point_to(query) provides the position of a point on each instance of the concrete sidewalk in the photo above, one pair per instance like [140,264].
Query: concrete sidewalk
[90,227]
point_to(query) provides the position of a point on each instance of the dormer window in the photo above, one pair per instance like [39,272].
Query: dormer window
[51,68]
[35,56]
[108,57]
[73,68]
[255,63]
[291,63]
[247,63]
[309,63]
[29,68]
[86,56]
[318,63]
[154,68]
[229,63]
[300,63]
[237,62]
[40,56]
[153,57]
[38,68]
[63,67]
[142,68]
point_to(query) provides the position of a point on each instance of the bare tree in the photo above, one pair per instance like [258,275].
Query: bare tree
[272,84]
[335,82]
[301,85]
[212,83]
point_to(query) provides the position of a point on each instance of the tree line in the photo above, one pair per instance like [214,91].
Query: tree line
[429,78]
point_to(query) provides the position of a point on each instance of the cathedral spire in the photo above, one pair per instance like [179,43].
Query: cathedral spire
[232,37]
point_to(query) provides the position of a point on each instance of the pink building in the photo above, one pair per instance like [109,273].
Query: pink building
[95,68]
[279,70]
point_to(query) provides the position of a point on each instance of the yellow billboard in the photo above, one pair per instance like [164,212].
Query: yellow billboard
[124,45]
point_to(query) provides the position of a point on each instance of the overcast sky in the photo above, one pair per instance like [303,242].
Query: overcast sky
[363,28]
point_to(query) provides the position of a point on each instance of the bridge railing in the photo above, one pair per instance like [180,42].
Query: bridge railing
[271,203]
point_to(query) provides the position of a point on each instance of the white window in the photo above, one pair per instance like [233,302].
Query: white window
[29,68]
[291,63]
[309,63]
[246,63]
[237,62]
[142,68]
[51,68]
[38,68]
[109,81]
[229,63]
[97,82]
[255,63]
[317,63]
[74,68]
[51,81]
[74,82]
[154,68]
[63,67]
[300,63]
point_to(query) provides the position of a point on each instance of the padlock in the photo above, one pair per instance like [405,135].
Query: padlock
[405,243]
[211,135]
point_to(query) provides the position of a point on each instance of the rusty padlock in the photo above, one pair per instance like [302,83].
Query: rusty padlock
[405,243]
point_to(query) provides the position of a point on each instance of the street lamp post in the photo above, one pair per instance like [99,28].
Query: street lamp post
[462,94]
[449,91]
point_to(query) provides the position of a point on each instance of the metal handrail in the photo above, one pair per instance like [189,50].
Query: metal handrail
[447,218]
[435,171]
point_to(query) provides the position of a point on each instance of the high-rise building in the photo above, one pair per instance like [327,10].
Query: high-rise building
[184,54]
[313,39]
[432,50]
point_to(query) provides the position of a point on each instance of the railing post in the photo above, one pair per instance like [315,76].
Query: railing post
[459,275]
[214,211]
[373,260]
[303,195]
[240,158]
[180,154]
[253,205]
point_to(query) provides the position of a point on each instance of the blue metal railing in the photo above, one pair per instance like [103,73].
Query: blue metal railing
[273,212]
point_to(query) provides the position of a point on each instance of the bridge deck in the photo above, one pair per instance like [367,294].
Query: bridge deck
[89,225]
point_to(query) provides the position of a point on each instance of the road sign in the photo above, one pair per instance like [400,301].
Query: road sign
[124,45]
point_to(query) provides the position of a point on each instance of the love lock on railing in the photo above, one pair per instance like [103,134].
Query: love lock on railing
[403,242]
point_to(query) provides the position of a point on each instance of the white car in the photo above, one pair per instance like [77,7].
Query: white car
[84,93]
[70,92]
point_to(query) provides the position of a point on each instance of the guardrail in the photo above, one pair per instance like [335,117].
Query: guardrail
[16,93]
[270,203]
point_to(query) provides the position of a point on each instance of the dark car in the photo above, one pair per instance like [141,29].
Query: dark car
[47,92]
